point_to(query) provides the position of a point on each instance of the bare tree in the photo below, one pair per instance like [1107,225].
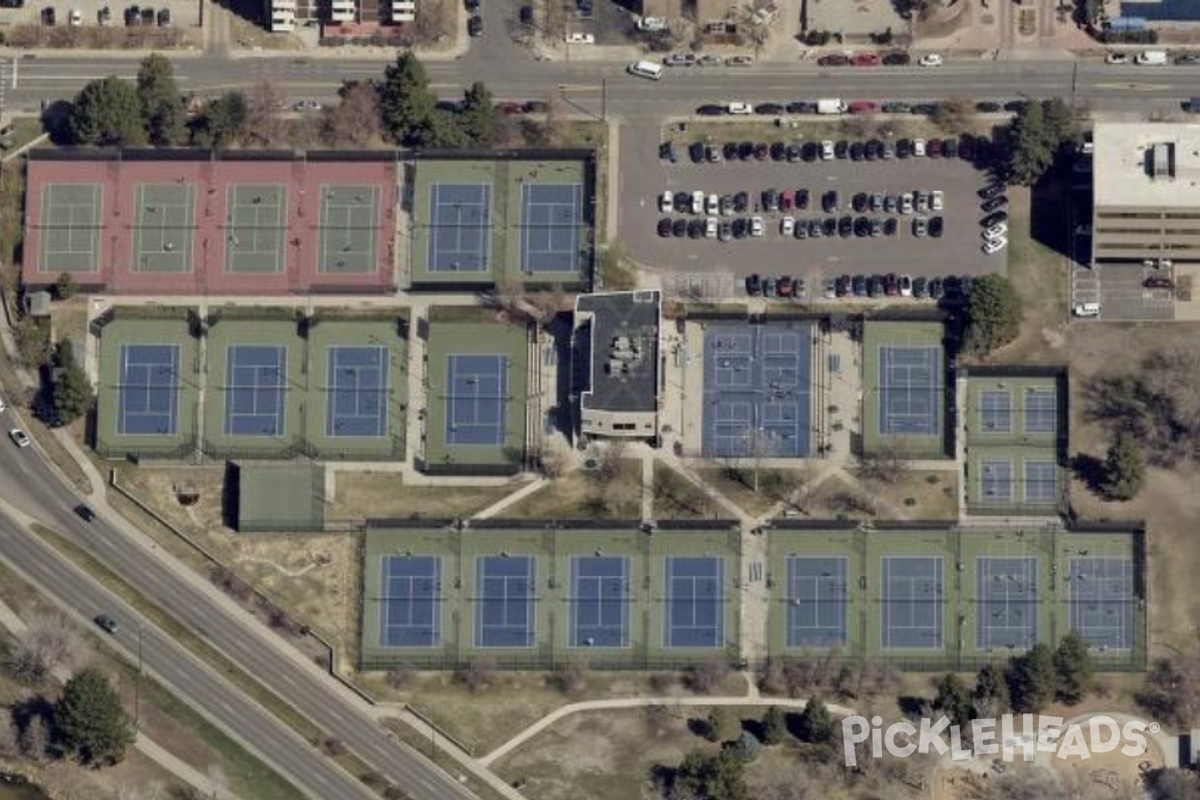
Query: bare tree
[609,458]
[10,739]
[264,121]
[571,677]
[886,465]
[356,120]
[35,739]
[707,677]
[50,642]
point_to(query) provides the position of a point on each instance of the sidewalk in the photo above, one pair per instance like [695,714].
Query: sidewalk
[148,747]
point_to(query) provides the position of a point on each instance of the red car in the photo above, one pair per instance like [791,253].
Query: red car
[785,200]
[864,107]
[833,61]
[866,60]
[784,287]
[933,148]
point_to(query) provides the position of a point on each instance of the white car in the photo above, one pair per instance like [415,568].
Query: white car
[580,38]
[1087,309]
[76,18]
[997,231]
[906,203]
[710,228]
[937,200]
[930,60]
[666,203]
[3,405]
[787,226]
[713,206]
[19,438]
[826,150]
[991,246]
[756,226]
[918,147]
[740,108]
[697,202]
[906,286]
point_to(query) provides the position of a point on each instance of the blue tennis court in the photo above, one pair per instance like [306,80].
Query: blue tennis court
[912,602]
[1006,603]
[551,221]
[459,227]
[1041,410]
[411,601]
[476,399]
[757,391]
[1102,601]
[255,390]
[148,389]
[910,390]
[816,601]
[996,481]
[358,391]
[504,607]
[995,411]
[695,604]
[600,601]
[1041,482]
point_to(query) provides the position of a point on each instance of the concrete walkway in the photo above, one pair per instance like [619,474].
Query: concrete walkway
[642,702]
[148,747]
[512,499]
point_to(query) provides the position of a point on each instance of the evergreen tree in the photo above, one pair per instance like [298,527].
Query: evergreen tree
[991,692]
[407,104]
[91,721]
[721,725]
[994,314]
[1032,679]
[107,113]
[816,723]
[774,726]
[71,391]
[479,119]
[953,699]
[1124,468]
[163,112]
[220,121]
[1076,671]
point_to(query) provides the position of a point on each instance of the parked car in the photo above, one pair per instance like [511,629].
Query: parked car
[994,204]
[475,26]
[767,109]
[753,284]
[829,201]
[756,226]
[863,107]
[906,286]
[897,58]
[930,60]
[993,219]
[866,60]
[787,226]
[937,288]
[936,227]
[710,228]
[664,227]
[833,60]
[920,227]
[1158,282]
[918,148]
[987,107]
[1116,58]
[920,287]
[680,60]
[996,231]
[19,437]
[992,246]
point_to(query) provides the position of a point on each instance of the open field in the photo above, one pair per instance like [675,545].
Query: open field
[583,495]
[1168,503]
[517,698]
[383,495]
[675,497]
[933,495]
[773,486]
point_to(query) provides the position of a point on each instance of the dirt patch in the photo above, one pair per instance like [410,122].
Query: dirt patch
[1169,503]
[69,319]
[675,497]
[933,495]
[738,486]
[583,494]
[315,578]
[375,495]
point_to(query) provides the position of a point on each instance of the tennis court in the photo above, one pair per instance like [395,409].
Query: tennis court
[910,390]
[1041,410]
[551,221]
[695,605]
[816,601]
[1102,600]
[255,390]
[349,228]
[70,228]
[757,391]
[504,608]
[165,222]
[460,227]
[358,391]
[996,481]
[1006,602]
[1041,482]
[995,411]
[476,398]
[600,599]
[410,601]
[912,602]
[255,228]
[148,390]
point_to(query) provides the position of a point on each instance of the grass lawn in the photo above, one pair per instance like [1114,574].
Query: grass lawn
[773,485]
[369,495]
[677,498]
[585,495]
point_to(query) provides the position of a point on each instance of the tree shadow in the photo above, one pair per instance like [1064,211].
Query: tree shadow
[56,121]
[1091,470]
[911,706]
[698,726]
[755,728]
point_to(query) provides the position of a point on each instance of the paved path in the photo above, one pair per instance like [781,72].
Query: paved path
[641,702]
[147,746]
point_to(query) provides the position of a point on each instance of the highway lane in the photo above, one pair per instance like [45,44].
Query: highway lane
[195,683]
[1108,87]
[31,486]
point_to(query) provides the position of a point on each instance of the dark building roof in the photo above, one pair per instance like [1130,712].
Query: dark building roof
[1165,11]
[624,350]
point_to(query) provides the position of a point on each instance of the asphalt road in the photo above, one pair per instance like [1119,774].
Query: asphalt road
[512,73]
[31,486]
[196,684]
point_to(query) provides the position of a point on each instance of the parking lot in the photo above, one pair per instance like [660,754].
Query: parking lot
[182,13]
[645,176]
[1122,293]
